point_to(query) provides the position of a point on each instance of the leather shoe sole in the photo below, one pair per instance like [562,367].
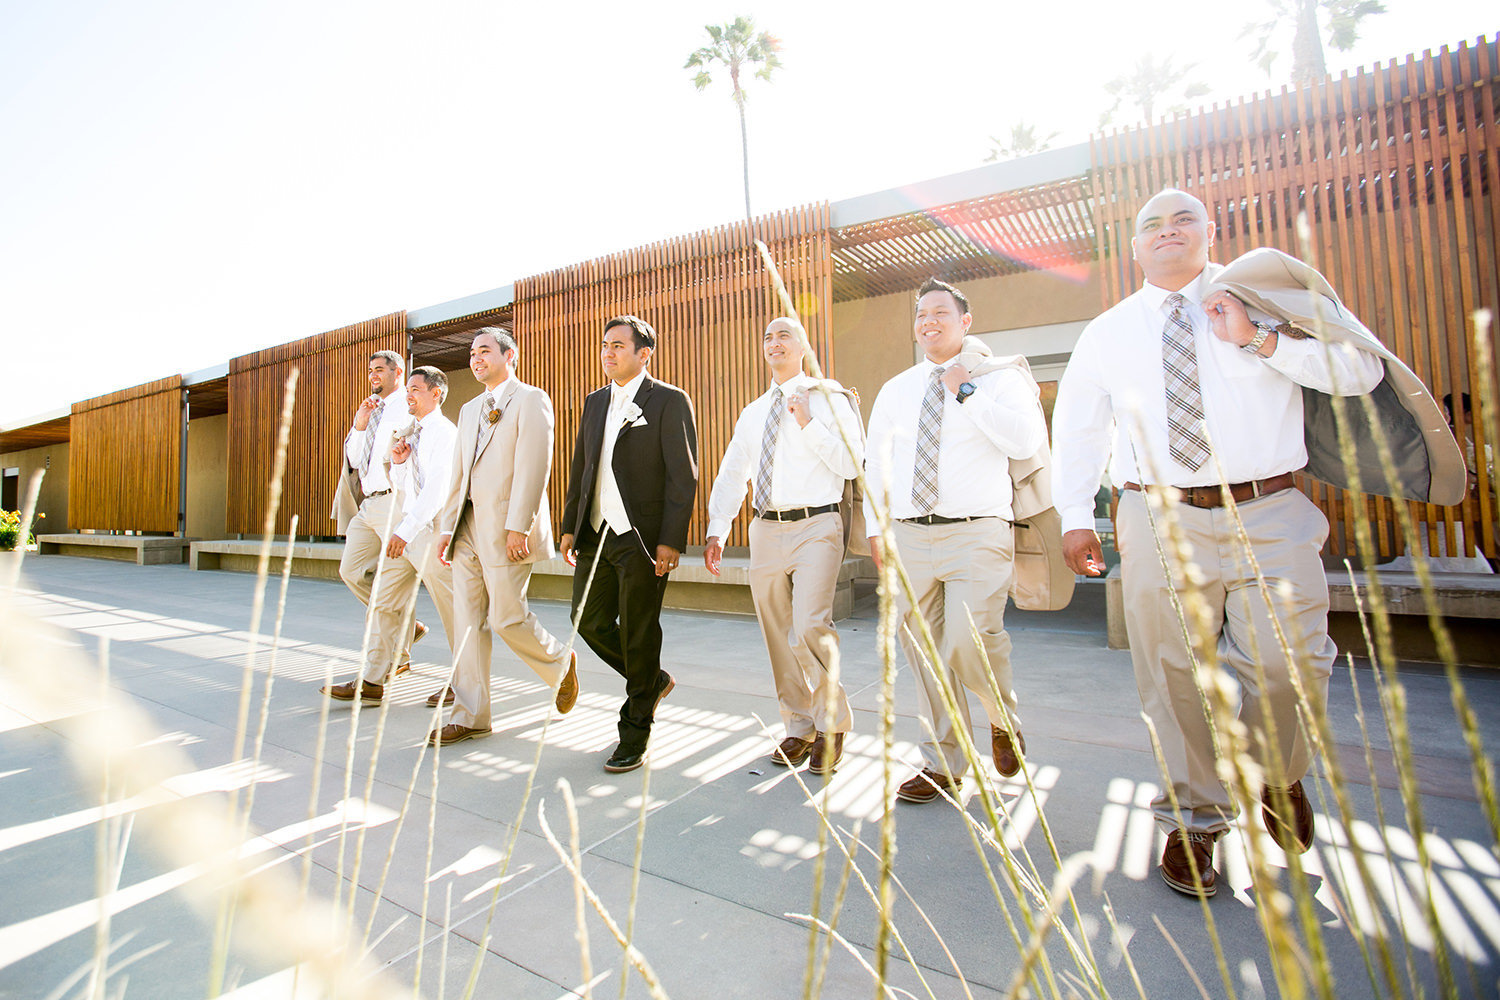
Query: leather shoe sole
[666,690]
[791,752]
[567,691]
[454,733]
[619,763]
[924,786]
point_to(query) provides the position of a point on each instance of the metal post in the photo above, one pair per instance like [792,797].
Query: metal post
[182,467]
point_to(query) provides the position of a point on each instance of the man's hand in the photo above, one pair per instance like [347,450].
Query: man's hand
[955,376]
[1231,323]
[400,452]
[875,551]
[1082,553]
[796,405]
[366,407]
[395,547]
[666,559]
[565,546]
[517,546]
[443,556]
[713,554]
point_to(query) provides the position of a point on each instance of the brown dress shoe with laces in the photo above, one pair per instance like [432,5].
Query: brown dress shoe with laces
[1296,836]
[368,694]
[791,752]
[1007,759]
[567,691]
[444,696]
[454,733]
[827,750]
[1187,862]
[924,787]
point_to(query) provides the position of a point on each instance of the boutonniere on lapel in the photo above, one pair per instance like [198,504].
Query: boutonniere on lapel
[494,417]
[633,416]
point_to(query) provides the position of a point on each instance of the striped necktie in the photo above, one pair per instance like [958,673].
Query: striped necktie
[1184,396]
[416,454]
[370,430]
[924,478]
[768,452]
[487,415]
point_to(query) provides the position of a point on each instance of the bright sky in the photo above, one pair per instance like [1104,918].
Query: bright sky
[183,182]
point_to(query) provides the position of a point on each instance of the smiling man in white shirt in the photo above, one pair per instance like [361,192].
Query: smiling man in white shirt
[943,437]
[787,443]
[1145,380]
[421,463]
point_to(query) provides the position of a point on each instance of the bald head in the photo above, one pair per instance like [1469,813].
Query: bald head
[1173,235]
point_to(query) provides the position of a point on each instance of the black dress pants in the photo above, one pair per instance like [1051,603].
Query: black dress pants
[621,623]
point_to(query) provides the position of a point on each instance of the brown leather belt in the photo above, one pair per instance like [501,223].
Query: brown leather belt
[797,513]
[1213,496]
[928,520]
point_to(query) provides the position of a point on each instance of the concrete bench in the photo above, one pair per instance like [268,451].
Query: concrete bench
[143,550]
[692,587]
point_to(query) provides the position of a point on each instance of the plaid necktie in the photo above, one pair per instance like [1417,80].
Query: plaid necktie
[1184,397]
[486,416]
[370,429]
[768,451]
[416,455]
[924,477]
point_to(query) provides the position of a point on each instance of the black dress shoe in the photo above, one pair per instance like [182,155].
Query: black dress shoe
[624,760]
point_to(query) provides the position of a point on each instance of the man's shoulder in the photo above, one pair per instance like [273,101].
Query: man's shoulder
[1127,309]
[916,372]
[669,391]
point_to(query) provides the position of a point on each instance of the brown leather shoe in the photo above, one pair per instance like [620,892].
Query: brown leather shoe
[443,696]
[454,733]
[1178,872]
[1007,760]
[1294,837]
[418,631]
[403,668]
[666,690]
[567,691]
[791,752]
[924,787]
[824,758]
[369,694]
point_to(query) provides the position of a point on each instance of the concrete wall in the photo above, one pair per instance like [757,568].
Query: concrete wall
[873,337]
[207,475]
[462,387]
[53,500]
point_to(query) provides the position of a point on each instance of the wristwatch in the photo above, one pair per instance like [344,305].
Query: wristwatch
[1262,331]
[965,390]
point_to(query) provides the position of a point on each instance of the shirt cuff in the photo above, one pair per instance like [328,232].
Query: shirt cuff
[719,529]
[1076,518]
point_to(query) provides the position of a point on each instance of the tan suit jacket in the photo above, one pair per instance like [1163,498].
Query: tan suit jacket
[504,467]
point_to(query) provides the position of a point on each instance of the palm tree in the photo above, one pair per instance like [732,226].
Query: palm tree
[737,45]
[1023,141]
[1308,65]
[1148,84]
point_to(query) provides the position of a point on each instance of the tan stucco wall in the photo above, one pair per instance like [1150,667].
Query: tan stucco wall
[462,387]
[53,499]
[872,338]
[207,475]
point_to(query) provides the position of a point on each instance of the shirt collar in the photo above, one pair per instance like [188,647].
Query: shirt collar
[1156,297]
[801,380]
[437,411]
[621,394]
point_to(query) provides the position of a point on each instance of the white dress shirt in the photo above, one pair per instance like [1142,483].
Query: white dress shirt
[809,466]
[1112,402]
[434,454]
[393,419]
[609,506]
[979,436]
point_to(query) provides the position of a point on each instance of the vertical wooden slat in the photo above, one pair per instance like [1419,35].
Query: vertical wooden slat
[125,459]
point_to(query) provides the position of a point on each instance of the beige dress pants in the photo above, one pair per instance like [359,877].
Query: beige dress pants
[394,597]
[958,571]
[364,540]
[1286,532]
[490,600]
[794,569]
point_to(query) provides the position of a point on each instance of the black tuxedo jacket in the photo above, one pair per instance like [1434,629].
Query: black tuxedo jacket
[655,465]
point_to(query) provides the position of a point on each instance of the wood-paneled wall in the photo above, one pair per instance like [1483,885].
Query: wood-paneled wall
[1398,171]
[331,382]
[125,459]
[709,298]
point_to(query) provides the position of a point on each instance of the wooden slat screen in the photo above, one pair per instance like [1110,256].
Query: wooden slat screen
[1397,169]
[125,459]
[709,298]
[331,382]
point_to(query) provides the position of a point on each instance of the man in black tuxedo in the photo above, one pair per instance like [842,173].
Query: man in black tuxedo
[630,497]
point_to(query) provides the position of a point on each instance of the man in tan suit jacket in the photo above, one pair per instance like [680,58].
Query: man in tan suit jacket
[494,526]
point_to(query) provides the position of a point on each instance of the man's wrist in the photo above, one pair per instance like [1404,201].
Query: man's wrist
[1264,333]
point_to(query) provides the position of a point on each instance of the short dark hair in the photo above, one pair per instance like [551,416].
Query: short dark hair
[391,358]
[502,337]
[434,379]
[935,285]
[640,330]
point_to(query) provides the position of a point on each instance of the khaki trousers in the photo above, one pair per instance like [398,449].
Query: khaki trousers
[1286,532]
[490,600]
[364,540]
[794,569]
[395,595]
[958,571]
